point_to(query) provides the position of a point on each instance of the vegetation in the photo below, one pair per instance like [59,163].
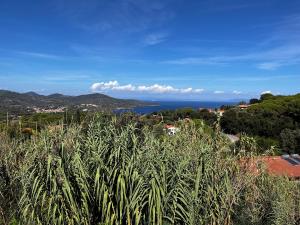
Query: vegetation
[169,116]
[111,170]
[23,104]
[275,118]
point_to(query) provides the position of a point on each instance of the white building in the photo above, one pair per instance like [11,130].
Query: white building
[171,130]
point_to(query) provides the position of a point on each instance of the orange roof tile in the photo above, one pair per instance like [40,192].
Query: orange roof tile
[169,126]
[275,165]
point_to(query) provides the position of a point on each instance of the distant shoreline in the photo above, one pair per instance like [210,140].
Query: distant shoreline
[172,105]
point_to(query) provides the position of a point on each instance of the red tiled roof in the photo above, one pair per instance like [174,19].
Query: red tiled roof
[274,165]
[243,106]
[169,126]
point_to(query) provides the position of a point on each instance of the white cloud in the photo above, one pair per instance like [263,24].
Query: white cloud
[219,92]
[128,87]
[186,90]
[237,92]
[266,92]
[199,90]
[155,88]
[104,85]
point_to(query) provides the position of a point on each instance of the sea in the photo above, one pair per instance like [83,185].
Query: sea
[173,105]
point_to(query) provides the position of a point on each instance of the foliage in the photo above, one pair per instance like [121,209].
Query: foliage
[266,119]
[102,173]
[169,116]
[253,101]
[290,140]
[266,96]
[264,143]
[226,107]
[268,200]
[242,103]
[26,103]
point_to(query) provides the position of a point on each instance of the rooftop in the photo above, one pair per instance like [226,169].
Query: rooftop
[243,106]
[286,165]
[168,126]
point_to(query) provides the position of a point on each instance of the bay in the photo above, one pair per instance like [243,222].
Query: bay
[173,105]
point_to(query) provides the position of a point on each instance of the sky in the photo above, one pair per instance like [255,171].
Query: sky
[155,50]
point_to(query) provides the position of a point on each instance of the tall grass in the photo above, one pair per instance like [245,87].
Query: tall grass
[105,173]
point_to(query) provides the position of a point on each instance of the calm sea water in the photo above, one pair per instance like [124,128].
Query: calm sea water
[172,105]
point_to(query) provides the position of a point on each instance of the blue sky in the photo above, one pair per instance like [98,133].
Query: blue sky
[158,49]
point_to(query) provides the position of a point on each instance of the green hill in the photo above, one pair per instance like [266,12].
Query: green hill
[274,120]
[19,103]
[280,104]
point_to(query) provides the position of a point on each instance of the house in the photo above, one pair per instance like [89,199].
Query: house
[285,165]
[211,110]
[171,129]
[220,112]
[243,106]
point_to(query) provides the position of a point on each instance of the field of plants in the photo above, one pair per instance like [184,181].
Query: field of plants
[107,171]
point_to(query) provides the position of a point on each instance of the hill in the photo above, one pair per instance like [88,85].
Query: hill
[19,103]
[280,104]
[275,120]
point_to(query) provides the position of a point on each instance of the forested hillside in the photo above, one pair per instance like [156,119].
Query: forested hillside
[274,118]
[21,103]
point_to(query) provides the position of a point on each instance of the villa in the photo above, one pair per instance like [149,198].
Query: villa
[243,106]
[171,129]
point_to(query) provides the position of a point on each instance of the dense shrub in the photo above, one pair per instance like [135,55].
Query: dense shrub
[290,140]
[267,119]
[104,173]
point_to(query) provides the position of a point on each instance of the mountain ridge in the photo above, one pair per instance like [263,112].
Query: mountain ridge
[14,102]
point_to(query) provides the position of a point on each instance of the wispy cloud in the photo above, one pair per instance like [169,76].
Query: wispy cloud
[39,55]
[280,49]
[219,92]
[155,38]
[198,61]
[236,92]
[266,92]
[267,60]
[120,16]
[155,88]
[269,65]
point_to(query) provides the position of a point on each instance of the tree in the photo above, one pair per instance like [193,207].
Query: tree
[266,96]
[208,117]
[254,101]
[290,140]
